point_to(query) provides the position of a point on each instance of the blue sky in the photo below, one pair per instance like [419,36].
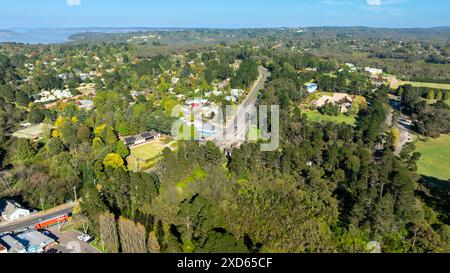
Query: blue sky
[229,13]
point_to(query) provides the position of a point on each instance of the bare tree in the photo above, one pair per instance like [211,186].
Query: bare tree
[132,236]
[108,232]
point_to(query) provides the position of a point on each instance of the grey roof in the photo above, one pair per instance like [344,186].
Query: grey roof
[8,206]
[12,244]
[147,135]
[29,241]
[34,240]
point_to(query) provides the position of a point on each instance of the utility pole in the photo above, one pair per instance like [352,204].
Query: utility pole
[75,193]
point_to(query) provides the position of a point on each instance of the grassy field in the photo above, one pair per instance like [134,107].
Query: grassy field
[423,84]
[315,116]
[435,157]
[146,153]
[34,131]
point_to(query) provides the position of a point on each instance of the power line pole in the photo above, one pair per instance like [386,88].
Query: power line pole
[75,193]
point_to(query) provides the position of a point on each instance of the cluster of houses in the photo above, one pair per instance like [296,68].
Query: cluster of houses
[81,75]
[49,96]
[29,241]
[233,96]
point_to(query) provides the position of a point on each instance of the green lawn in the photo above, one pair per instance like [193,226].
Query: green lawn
[315,116]
[435,157]
[424,84]
[145,153]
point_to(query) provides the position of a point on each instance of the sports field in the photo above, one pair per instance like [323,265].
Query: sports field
[142,156]
[435,157]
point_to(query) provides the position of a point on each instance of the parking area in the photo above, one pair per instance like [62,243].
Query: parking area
[69,242]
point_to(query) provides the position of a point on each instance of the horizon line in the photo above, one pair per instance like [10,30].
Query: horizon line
[219,28]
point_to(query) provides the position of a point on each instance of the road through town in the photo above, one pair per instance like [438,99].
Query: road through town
[34,219]
[235,131]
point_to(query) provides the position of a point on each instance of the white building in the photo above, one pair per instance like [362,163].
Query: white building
[374,71]
[175,80]
[196,103]
[231,98]
[11,210]
[236,92]
[351,66]
[46,96]
[85,104]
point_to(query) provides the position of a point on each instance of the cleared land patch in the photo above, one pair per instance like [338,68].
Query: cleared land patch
[144,156]
[34,131]
[422,84]
[434,161]
[315,116]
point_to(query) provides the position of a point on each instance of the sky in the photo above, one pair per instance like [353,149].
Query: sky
[222,13]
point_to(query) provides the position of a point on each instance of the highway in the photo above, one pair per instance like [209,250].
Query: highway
[32,220]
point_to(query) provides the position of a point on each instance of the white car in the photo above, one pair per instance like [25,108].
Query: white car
[84,237]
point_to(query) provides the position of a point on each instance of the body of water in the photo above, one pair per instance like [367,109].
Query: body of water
[36,36]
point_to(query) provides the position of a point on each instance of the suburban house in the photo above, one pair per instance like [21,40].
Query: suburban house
[85,104]
[141,138]
[230,98]
[215,93]
[27,242]
[343,100]
[374,71]
[236,93]
[351,67]
[196,103]
[48,96]
[11,210]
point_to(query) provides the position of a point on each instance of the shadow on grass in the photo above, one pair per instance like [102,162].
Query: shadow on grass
[436,194]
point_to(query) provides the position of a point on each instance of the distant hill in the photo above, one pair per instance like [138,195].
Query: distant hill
[204,34]
[6,32]
[209,36]
[436,33]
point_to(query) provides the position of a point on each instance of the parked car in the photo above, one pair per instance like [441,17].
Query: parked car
[46,232]
[84,237]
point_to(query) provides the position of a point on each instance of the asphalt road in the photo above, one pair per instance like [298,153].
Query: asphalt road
[404,126]
[239,118]
[32,220]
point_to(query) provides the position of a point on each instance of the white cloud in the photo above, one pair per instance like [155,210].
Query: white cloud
[374,2]
[73,2]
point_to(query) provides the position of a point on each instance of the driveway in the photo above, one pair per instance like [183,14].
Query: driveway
[69,243]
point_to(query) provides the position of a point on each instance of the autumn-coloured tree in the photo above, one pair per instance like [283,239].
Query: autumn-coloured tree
[152,243]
